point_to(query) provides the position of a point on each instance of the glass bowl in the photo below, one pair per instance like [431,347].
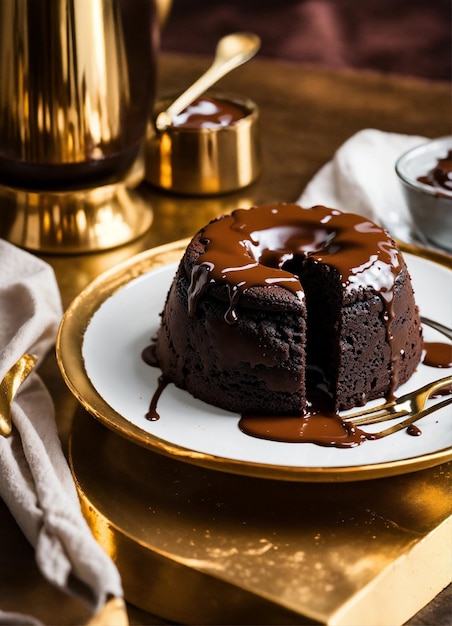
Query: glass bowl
[425,173]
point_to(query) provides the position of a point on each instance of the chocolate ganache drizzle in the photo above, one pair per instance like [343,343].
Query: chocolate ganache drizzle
[252,248]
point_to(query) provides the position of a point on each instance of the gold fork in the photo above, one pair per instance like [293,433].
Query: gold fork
[411,405]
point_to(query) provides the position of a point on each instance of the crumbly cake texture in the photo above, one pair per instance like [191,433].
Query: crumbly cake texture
[361,346]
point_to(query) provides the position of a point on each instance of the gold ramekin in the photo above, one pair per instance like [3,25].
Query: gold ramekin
[204,161]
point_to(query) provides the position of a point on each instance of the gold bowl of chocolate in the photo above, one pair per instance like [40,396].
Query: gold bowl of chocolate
[210,148]
[425,173]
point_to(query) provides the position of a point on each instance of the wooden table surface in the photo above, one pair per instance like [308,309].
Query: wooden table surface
[306,114]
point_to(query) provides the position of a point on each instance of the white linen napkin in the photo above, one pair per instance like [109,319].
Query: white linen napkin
[35,480]
[361,179]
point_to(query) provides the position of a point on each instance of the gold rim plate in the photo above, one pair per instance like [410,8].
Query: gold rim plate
[99,346]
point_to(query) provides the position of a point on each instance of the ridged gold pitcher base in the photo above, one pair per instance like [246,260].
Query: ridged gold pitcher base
[75,220]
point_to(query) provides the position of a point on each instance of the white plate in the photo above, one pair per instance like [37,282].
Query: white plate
[99,349]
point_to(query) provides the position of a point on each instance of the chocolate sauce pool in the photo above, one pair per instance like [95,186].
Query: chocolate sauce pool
[323,430]
[316,426]
[437,354]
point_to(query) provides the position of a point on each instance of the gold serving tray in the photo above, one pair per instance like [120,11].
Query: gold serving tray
[200,546]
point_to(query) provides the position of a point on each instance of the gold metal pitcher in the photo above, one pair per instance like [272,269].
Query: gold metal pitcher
[77,84]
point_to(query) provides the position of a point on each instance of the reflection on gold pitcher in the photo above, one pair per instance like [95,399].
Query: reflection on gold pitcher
[77,85]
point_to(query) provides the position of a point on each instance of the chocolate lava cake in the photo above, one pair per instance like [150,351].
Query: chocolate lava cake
[264,296]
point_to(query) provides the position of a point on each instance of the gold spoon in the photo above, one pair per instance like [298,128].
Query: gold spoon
[232,50]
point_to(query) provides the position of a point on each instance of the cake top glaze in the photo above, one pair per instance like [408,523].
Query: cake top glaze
[256,247]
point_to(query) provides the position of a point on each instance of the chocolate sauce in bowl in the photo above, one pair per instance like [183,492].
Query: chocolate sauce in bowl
[208,112]
[440,176]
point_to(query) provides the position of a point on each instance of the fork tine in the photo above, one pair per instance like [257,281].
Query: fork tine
[437,326]
[394,408]
[410,420]
[376,417]
[351,419]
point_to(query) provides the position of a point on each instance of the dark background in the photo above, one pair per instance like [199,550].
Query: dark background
[409,37]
